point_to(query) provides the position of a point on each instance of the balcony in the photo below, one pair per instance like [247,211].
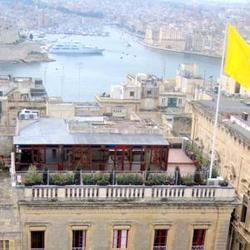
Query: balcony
[160,248]
[130,193]
[115,185]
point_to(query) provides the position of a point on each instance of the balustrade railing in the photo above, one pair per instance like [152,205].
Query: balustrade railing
[163,193]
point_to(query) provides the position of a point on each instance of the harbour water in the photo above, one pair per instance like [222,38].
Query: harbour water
[79,78]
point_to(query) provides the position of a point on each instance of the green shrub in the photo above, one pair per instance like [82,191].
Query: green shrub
[129,179]
[187,180]
[1,164]
[57,179]
[45,176]
[177,176]
[101,179]
[197,177]
[170,180]
[69,179]
[156,179]
[88,179]
[61,179]
[77,177]
[32,177]
[215,172]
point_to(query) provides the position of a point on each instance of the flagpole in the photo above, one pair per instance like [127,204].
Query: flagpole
[217,106]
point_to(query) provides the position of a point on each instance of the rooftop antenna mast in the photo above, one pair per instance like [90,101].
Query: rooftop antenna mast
[62,82]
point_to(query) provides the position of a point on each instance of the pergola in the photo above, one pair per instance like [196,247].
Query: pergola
[49,143]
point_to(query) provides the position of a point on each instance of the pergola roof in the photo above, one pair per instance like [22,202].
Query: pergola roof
[53,131]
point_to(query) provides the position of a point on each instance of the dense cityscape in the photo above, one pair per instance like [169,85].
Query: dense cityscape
[155,160]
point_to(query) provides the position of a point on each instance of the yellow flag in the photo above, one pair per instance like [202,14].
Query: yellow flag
[237,59]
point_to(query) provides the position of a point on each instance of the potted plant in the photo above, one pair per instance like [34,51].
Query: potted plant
[129,179]
[102,179]
[177,176]
[57,179]
[156,179]
[45,176]
[78,175]
[88,179]
[187,180]
[197,177]
[69,179]
[33,177]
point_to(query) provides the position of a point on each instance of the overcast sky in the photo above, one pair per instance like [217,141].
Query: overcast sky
[221,1]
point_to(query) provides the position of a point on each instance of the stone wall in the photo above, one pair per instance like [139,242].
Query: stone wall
[141,219]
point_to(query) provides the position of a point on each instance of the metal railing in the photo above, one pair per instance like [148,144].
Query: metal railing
[20,175]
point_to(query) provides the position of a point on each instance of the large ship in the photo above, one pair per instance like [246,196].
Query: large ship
[75,48]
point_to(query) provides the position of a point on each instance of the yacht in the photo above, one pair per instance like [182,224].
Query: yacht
[75,48]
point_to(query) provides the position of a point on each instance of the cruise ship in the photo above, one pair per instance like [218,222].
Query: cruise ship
[75,48]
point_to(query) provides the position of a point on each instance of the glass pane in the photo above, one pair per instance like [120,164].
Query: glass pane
[78,239]
[115,238]
[199,237]
[160,239]
[37,239]
[124,239]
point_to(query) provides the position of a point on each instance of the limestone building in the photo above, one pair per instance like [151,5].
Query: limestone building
[16,94]
[188,79]
[232,154]
[138,212]
[231,87]
[141,92]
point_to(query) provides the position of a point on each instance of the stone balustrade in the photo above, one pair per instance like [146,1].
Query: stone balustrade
[143,193]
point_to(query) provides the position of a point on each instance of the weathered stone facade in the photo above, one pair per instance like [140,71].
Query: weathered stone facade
[100,218]
[233,157]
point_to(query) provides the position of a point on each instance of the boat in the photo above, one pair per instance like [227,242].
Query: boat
[75,48]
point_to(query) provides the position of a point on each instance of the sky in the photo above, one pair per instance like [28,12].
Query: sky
[219,1]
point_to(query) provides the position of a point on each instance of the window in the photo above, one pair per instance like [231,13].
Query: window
[243,213]
[7,245]
[240,246]
[131,93]
[160,239]
[237,88]
[149,92]
[172,102]
[199,239]
[120,238]
[37,240]
[78,239]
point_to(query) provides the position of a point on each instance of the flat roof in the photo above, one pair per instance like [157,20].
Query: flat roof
[227,105]
[239,129]
[54,131]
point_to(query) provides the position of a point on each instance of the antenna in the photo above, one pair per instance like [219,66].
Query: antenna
[45,76]
[79,80]
[62,82]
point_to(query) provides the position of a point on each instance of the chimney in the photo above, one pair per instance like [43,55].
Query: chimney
[244,116]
